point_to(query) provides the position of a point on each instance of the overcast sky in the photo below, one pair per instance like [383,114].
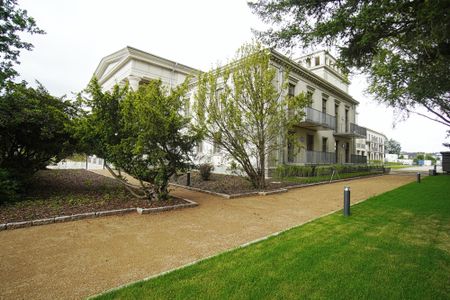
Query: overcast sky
[196,33]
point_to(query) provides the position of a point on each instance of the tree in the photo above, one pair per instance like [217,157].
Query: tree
[142,133]
[35,129]
[13,21]
[430,157]
[403,46]
[393,147]
[244,111]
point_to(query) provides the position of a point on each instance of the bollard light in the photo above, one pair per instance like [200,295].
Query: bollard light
[188,178]
[418,177]
[346,201]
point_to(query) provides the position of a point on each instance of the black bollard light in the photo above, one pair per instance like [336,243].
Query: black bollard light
[188,178]
[346,201]
[418,177]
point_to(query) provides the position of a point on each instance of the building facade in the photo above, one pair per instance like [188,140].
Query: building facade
[373,146]
[327,134]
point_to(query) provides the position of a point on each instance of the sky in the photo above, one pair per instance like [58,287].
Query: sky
[197,33]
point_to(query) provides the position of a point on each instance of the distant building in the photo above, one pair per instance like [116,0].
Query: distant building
[373,146]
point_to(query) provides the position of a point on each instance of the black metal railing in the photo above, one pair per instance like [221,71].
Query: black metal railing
[353,129]
[359,130]
[319,157]
[317,117]
[358,159]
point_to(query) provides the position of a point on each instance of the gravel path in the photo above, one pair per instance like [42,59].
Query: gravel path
[77,259]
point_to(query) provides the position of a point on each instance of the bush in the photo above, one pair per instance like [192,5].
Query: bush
[8,186]
[310,171]
[35,129]
[205,171]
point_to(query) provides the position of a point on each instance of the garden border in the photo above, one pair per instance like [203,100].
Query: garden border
[270,192]
[96,214]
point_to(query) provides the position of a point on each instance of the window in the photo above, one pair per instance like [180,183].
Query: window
[346,120]
[324,105]
[291,90]
[317,60]
[309,142]
[336,114]
[308,62]
[200,147]
[324,144]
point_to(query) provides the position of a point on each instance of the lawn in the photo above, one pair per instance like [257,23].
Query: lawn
[396,246]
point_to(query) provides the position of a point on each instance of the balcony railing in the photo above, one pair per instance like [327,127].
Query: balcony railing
[352,130]
[318,157]
[358,159]
[317,117]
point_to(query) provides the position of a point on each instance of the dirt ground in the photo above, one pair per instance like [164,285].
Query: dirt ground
[77,259]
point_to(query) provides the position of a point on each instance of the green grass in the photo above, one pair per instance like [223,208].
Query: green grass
[314,179]
[396,166]
[394,246]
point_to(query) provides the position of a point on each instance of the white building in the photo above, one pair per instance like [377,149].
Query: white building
[373,146]
[327,134]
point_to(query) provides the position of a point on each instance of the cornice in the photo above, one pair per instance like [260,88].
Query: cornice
[303,72]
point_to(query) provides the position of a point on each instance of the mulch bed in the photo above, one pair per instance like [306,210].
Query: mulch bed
[67,192]
[227,184]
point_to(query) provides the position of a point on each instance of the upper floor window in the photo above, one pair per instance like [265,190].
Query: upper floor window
[317,60]
[291,90]
[324,105]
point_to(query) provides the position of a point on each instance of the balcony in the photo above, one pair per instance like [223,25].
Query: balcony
[320,158]
[318,120]
[346,131]
[313,158]
[358,159]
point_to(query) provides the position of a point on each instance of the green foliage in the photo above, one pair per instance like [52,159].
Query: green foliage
[13,22]
[283,171]
[393,147]
[9,187]
[242,107]
[403,46]
[205,170]
[35,129]
[140,132]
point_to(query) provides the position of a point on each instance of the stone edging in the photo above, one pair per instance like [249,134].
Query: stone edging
[91,215]
[166,208]
[271,192]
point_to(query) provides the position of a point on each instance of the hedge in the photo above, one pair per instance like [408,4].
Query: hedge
[311,171]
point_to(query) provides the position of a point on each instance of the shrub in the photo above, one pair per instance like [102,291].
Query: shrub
[35,129]
[310,171]
[205,171]
[8,186]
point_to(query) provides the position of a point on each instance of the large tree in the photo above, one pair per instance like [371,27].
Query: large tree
[13,22]
[403,46]
[393,147]
[142,133]
[244,109]
[35,129]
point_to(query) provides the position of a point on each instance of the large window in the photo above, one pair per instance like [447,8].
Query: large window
[309,142]
[324,144]
[324,105]
[291,90]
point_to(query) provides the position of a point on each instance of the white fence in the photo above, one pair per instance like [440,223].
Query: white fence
[92,162]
